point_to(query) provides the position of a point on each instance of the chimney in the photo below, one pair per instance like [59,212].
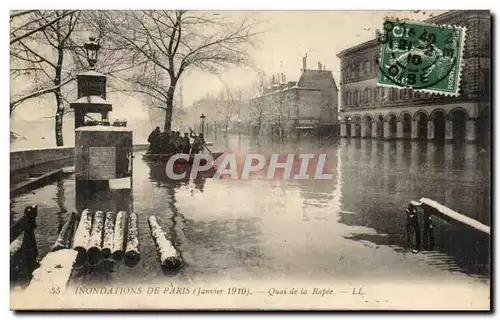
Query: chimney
[304,62]
[324,68]
[319,65]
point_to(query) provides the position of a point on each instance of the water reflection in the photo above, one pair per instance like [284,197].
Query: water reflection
[158,174]
[300,228]
[443,172]
[105,199]
[61,199]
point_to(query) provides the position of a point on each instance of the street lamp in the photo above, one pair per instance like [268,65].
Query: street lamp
[202,118]
[91,49]
[239,125]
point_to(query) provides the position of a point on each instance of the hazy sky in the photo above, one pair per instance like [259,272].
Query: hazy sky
[289,35]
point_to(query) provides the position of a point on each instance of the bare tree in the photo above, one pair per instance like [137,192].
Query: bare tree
[41,24]
[50,58]
[257,103]
[44,53]
[171,42]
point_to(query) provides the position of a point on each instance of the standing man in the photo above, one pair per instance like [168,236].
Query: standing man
[153,140]
[186,143]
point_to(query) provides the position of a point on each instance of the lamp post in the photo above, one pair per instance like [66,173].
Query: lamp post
[202,118]
[239,126]
[215,129]
[91,48]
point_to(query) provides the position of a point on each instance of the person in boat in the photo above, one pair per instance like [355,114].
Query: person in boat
[167,146]
[186,143]
[198,143]
[177,141]
[153,140]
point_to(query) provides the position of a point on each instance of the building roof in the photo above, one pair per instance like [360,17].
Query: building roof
[310,79]
[316,79]
[444,17]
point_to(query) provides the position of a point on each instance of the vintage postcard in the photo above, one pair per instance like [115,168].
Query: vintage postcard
[250,160]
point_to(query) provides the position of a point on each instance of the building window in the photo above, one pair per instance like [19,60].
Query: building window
[367,67]
[395,94]
[367,96]
[484,41]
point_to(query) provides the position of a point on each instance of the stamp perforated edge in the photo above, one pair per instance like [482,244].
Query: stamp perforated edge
[461,62]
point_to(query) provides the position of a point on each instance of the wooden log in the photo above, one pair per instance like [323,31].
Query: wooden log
[119,236]
[132,255]
[95,243]
[82,237]
[109,231]
[169,257]
[66,234]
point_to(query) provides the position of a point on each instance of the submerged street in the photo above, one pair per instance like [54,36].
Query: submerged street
[352,226]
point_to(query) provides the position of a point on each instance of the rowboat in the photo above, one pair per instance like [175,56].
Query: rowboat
[165,157]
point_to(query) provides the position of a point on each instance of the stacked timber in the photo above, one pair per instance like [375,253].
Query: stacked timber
[119,236]
[109,231]
[82,238]
[169,257]
[132,255]
[95,243]
[107,242]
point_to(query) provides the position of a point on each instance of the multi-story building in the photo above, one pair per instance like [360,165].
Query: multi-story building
[289,108]
[369,111]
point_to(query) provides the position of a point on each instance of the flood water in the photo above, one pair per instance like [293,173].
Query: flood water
[350,226]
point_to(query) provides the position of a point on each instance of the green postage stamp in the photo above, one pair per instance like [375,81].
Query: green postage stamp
[420,56]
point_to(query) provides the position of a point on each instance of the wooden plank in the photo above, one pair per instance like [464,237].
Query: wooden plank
[455,216]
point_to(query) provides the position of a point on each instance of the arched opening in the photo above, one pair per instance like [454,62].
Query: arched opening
[393,126]
[368,127]
[406,126]
[439,125]
[380,127]
[422,126]
[348,127]
[458,118]
[357,128]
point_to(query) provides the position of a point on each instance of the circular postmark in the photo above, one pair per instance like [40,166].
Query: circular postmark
[419,56]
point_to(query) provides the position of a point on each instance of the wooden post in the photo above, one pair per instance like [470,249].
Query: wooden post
[413,227]
[66,235]
[428,230]
[30,249]
[24,254]
[132,255]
